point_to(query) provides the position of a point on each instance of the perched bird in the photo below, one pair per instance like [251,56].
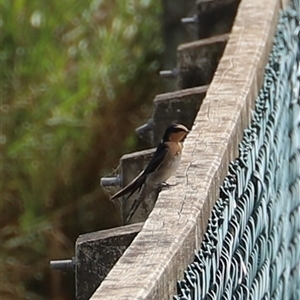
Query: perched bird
[162,165]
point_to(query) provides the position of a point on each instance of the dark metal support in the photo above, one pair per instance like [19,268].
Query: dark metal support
[63,264]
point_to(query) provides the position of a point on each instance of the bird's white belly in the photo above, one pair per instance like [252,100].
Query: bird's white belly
[172,168]
[165,173]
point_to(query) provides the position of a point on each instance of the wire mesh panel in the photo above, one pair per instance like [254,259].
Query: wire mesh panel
[251,249]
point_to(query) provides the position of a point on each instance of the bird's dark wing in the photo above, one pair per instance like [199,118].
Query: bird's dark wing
[138,182]
[157,158]
[131,187]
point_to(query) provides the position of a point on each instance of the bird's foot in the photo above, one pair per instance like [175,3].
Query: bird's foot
[165,185]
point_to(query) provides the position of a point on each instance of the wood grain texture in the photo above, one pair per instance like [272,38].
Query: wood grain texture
[160,253]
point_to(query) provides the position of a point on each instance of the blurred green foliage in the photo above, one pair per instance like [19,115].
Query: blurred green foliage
[77,77]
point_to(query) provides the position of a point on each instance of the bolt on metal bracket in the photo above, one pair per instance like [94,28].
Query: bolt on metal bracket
[111,181]
[169,74]
[63,264]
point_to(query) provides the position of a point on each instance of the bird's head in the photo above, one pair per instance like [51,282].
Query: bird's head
[175,133]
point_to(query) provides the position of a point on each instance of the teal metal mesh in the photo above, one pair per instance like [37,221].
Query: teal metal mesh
[251,249]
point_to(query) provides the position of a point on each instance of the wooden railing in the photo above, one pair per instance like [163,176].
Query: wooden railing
[145,260]
[152,264]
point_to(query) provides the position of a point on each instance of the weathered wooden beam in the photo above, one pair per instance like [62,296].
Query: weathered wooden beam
[96,253]
[151,266]
[197,61]
[130,166]
[179,107]
[215,16]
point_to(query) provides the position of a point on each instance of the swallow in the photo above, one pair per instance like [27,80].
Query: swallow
[161,166]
